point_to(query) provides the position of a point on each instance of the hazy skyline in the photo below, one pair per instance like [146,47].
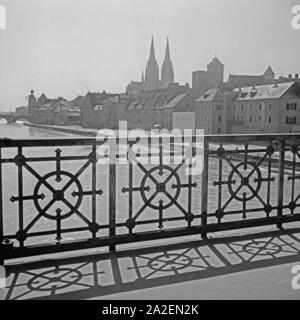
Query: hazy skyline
[66,47]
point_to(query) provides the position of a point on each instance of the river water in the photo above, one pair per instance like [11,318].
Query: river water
[46,223]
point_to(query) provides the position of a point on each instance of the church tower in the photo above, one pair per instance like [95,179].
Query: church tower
[152,71]
[167,71]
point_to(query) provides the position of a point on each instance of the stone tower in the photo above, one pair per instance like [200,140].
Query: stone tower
[167,71]
[215,69]
[152,71]
[32,105]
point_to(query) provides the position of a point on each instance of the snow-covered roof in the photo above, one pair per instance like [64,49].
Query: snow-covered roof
[274,91]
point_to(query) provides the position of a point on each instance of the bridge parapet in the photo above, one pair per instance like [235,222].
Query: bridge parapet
[238,188]
[12,117]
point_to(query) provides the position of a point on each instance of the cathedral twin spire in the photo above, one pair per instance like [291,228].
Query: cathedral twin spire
[151,80]
[152,71]
[152,52]
[167,71]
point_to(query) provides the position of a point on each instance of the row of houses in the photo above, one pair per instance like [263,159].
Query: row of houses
[105,110]
[244,104]
[57,111]
[273,108]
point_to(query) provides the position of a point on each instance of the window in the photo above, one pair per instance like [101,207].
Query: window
[233,118]
[270,107]
[98,107]
[260,107]
[250,106]
[219,130]
[291,120]
[270,120]
[242,107]
[259,118]
[291,106]
[218,107]
[250,119]
[234,107]
[219,118]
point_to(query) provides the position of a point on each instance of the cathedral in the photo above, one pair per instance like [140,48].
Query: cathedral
[151,79]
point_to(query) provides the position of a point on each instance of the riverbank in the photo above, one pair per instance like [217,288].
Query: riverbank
[77,130]
[69,129]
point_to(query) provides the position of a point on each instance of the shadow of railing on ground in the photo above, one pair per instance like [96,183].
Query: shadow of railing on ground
[124,271]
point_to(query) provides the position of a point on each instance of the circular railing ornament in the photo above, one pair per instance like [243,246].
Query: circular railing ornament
[160,187]
[244,182]
[57,195]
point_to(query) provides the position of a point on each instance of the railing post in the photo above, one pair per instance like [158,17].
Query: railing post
[204,189]
[1,199]
[280,181]
[112,204]
[94,185]
[1,212]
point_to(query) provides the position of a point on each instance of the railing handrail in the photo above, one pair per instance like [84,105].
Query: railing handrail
[73,141]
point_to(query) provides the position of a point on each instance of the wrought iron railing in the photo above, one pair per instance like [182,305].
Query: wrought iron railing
[57,195]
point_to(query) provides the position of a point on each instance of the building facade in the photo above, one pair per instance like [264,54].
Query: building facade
[266,109]
[52,111]
[210,112]
[156,107]
[271,108]
[102,110]
[22,111]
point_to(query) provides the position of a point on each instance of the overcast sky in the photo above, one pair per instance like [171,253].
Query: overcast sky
[66,47]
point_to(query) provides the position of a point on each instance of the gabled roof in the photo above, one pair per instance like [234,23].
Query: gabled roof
[274,91]
[238,81]
[215,60]
[57,105]
[269,70]
[209,95]
[174,101]
[160,98]
[216,94]
[78,101]
[97,98]
[42,100]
